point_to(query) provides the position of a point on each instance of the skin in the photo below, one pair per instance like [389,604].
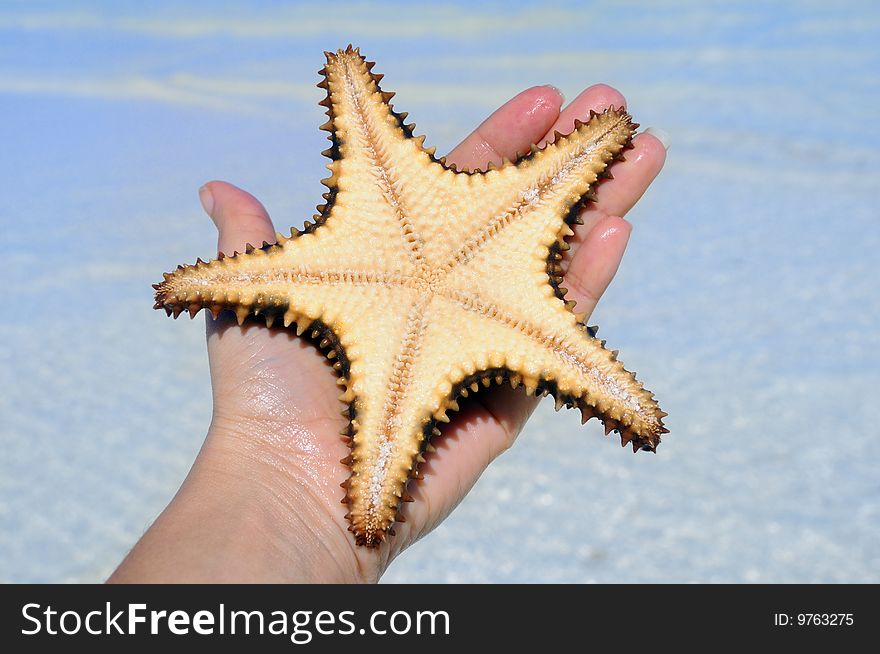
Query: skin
[262,500]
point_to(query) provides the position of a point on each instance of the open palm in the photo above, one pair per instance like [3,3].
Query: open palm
[263,496]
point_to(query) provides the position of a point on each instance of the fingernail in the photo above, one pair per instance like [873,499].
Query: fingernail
[558,91]
[207,200]
[660,134]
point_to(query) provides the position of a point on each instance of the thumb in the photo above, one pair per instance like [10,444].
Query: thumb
[240,218]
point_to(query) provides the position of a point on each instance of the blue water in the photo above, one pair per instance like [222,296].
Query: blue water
[747,300]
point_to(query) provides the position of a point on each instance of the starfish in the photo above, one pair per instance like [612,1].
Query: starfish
[427,283]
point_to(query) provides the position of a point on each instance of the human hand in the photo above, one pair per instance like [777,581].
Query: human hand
[262,501]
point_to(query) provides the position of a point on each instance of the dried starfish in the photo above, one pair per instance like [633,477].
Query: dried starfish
[426,282]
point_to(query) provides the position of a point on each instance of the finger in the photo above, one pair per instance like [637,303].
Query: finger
[239,216]
[615,197]
[595,263]
[632,177]
[594,98]
[513,127]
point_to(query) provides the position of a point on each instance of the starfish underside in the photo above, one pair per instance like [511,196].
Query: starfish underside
[427,283]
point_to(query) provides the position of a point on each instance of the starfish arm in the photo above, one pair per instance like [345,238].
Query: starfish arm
[551,351]
[396,408]
[388,414]
[398,402]
[296,280]
[379,169]
[543,188]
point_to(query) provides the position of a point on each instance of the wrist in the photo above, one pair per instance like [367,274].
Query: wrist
[248,512]
[290,507]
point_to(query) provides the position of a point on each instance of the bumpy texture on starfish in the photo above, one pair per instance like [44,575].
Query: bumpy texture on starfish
[426,283]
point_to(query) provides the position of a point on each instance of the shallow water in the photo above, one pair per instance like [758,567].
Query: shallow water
[747,299]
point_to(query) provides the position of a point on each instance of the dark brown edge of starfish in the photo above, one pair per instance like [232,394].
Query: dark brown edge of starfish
[324,338]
